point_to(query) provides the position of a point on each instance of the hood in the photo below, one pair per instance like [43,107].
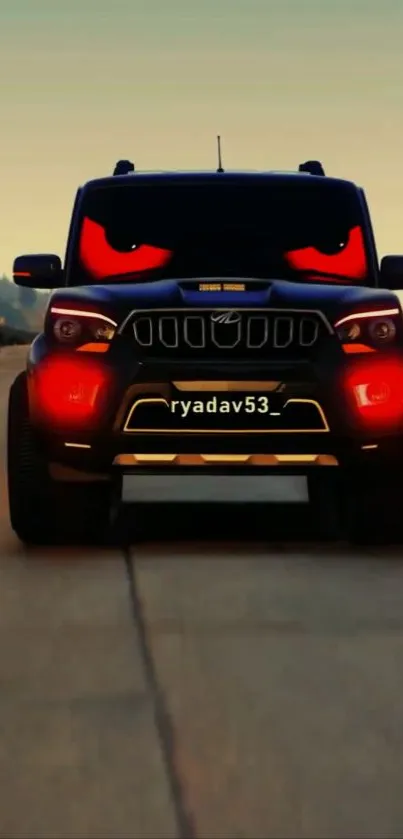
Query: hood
[117,301]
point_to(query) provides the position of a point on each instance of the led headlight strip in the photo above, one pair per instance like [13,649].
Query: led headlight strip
[81,314]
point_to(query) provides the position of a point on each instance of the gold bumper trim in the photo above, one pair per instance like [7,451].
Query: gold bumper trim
[230,386]
[161,401]
[225,459]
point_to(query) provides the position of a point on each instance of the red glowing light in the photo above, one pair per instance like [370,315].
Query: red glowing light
[377,390]
[349,262]
[101,260]
[66,390]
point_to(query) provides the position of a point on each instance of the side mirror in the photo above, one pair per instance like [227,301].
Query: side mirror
[391,274]
[38,271]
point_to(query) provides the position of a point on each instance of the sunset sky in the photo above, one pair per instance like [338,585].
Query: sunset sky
[85,83]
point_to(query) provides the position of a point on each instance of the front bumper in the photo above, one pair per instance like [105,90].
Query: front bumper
[107,443]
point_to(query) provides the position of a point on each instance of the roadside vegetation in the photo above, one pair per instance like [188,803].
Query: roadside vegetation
[21,313]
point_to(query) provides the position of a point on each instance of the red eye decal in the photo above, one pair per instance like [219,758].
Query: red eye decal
[350,262]
[101,260]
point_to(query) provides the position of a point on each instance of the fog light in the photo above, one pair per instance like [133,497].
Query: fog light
[66,390]
[378,392]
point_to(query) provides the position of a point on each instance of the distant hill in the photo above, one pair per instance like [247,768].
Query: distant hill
[21,312]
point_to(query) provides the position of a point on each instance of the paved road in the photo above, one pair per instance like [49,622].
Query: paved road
[194,689]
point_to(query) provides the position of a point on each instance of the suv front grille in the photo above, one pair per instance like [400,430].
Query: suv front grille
[226,333]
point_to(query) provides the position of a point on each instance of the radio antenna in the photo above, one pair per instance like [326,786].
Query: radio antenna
[220,169]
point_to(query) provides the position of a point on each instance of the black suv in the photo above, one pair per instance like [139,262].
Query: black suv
[235,313]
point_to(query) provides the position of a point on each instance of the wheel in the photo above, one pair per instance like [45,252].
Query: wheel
[372,507]
[324,501]
[42,510]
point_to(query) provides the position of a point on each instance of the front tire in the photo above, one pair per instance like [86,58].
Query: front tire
[324,501]
[44,511]
[373,506]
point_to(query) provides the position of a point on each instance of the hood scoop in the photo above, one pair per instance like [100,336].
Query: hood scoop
[232,293]
[222,285]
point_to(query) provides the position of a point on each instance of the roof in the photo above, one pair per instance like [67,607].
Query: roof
[230,176]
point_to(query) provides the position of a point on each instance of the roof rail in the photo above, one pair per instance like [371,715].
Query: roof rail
[123,167]
[312,167]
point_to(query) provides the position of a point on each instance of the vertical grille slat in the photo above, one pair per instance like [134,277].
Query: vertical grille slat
[226,333]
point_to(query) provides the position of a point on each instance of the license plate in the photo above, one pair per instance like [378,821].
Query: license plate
[230,411]
[226,489]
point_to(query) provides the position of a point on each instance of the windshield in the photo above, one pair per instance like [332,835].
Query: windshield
[293,228]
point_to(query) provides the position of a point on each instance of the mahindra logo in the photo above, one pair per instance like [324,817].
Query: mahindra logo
[226,317]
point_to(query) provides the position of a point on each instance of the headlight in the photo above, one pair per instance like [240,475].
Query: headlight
[104,332]
[377,328]
[349,332]
[382,330]
[67,330]
[73,327]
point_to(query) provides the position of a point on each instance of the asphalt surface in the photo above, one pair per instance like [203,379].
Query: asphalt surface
[200,689]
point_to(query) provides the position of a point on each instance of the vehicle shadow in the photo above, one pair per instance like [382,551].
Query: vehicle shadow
[242,521]
[177,527]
